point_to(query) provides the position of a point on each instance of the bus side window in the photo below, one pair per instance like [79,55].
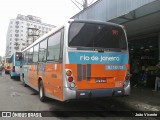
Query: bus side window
[54,47]
[26,57]
[30,57]
[35,53]
[43,51]
[23,58]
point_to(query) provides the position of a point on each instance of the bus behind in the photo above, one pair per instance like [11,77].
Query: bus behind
[78,60]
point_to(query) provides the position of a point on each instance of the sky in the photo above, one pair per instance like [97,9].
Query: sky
[54,12]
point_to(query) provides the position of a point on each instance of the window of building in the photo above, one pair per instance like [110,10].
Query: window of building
[42,51]
[16,31]
[16,26]
[17,35]
[23,44]
[17,22]
[16,39]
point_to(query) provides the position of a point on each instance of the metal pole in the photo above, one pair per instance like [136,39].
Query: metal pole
[85,5]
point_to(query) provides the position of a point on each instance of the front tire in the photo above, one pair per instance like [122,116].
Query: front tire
[41,92]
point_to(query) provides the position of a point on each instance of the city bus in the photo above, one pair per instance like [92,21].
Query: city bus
[78,60]
[7,64]
[15,64]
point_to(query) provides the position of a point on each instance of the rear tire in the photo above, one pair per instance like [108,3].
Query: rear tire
[41,92]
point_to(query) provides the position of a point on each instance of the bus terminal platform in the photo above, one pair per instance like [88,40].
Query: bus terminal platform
[142,99]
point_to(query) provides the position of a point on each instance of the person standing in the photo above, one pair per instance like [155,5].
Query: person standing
[136,71]
[157,80]
[1,69]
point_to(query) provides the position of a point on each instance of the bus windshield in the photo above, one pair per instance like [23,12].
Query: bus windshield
[18,56]
[96,35]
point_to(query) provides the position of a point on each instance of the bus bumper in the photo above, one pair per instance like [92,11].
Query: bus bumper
[80,94]
[91,94]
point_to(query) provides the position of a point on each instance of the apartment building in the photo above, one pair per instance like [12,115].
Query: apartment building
[23,31]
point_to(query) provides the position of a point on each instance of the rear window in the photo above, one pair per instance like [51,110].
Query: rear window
[96,36]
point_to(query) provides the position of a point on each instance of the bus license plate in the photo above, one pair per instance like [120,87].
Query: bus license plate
[101,81]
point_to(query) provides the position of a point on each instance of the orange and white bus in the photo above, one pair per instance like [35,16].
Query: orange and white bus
[80,59]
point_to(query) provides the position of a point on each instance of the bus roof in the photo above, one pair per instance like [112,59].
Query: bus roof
[60,27]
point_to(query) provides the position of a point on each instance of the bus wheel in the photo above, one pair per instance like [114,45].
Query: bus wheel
[41,92]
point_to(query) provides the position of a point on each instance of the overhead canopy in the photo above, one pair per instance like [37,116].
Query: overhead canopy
[143,20]
[138,16]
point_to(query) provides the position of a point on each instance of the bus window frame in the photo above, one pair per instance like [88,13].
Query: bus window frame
[45,39]
[38,51]
[26,52]
[94,48]
[60,46]
[30,62]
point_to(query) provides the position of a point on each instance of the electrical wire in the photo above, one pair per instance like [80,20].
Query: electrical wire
[91,2]
[79,2]
[75,1]
[76,4]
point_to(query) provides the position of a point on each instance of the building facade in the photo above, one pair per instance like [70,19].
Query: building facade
[23,31]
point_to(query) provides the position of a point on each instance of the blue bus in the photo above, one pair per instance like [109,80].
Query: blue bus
[16,60]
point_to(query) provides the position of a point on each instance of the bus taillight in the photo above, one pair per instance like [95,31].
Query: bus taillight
[70,79]
[69,73]
[127,77]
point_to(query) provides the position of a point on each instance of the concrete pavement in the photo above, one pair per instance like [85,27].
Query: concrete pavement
[142,99]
